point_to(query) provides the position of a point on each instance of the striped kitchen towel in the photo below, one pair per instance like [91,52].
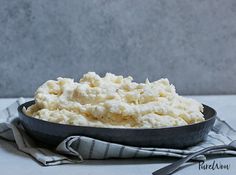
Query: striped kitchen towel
[76,148]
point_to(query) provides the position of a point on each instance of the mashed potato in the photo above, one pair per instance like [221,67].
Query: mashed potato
[113,101]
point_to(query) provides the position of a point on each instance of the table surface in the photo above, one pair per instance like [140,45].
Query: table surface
[15,162]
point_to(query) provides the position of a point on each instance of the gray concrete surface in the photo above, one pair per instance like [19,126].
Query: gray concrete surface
[193,43]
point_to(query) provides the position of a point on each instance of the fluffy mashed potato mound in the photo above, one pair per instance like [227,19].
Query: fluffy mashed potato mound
[113,101]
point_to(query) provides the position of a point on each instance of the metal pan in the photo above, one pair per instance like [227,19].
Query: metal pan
[51,134]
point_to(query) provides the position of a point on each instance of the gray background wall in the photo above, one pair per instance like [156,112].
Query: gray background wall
[193,43]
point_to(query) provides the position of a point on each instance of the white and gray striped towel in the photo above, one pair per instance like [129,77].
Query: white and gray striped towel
[81,147]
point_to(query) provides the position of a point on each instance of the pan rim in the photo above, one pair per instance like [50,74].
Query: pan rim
[212,117]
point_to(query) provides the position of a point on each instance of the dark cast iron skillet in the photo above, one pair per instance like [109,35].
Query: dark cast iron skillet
[51,134]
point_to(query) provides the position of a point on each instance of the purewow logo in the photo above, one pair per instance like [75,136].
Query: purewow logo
[213,166]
